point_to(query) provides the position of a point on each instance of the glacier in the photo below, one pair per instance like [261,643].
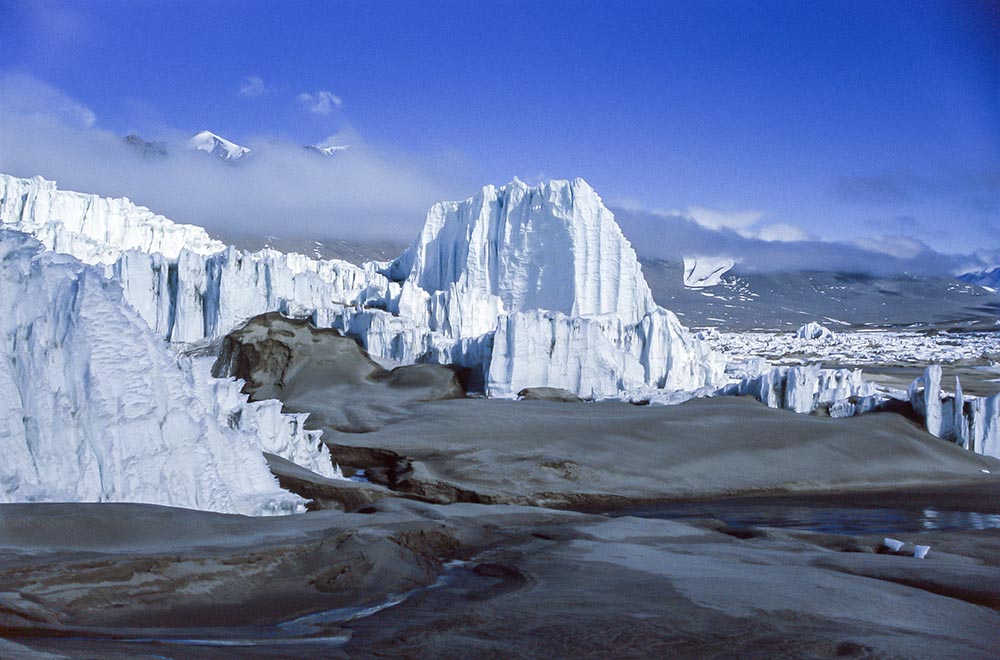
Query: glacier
[529,286]
[95,407]
[186,285]
[549,256]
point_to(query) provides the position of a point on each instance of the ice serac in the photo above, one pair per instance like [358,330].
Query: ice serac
[94,229]
[598,356]
[554,247]
[275,432]
[803,389]
[95,407]
[550,256]
[968,421]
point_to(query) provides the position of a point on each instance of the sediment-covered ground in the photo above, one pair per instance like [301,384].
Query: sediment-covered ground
[407,579]
[527,529]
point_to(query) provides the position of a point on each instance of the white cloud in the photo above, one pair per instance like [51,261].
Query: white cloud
[253,86]
[627,203]
[365,192]
[894,245]
[320,103]
[28,96]
[781,232]
[747,224]
[735,220]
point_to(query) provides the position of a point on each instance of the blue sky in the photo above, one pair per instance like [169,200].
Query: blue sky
[837,120]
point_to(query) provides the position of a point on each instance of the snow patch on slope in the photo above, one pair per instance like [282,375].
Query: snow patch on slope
[704,272]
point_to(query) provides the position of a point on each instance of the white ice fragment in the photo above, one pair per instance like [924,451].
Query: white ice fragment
[920,551]
[892,544]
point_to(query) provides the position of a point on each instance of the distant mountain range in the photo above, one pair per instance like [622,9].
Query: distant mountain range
[985,278]
[215,145]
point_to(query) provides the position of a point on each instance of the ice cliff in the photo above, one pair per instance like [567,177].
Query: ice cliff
[484,276]
[95,407]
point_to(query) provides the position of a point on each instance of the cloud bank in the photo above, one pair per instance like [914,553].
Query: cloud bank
[675,236]
[283,190]
[364,193]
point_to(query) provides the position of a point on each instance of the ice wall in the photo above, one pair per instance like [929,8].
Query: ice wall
[185,285]
[95,407]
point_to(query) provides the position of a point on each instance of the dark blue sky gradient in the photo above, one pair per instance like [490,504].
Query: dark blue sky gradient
[843,118]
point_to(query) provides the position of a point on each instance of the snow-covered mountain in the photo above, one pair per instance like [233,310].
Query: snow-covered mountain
[95,407]
[327,151]
[744,299]
[484,280]
[149,150]
[218,146]
[985,278]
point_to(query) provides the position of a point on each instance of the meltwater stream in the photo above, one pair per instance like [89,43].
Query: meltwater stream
[311,635]
[818,515]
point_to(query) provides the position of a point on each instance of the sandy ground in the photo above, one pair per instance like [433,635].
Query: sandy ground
[138,581]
